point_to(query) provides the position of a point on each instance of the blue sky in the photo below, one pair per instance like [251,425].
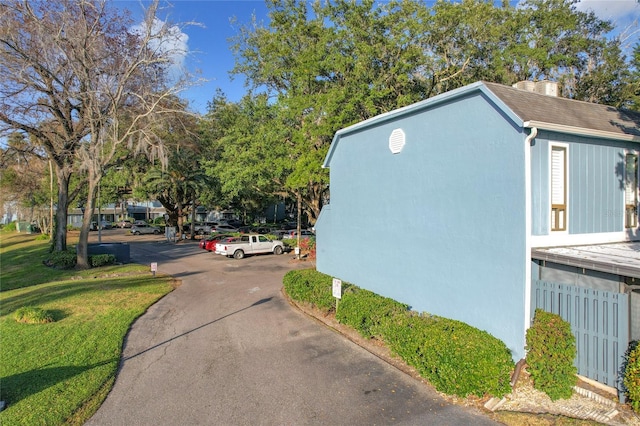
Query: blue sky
[211,52]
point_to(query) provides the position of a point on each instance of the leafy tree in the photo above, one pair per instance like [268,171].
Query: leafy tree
[178,182]
[175,186]
[330,66]
[82,80]
[632,88]
[248,152]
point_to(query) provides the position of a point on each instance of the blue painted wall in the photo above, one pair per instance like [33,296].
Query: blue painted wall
[595,184]
[440,226]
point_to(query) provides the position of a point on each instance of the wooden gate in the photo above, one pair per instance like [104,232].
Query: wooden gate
[599,320]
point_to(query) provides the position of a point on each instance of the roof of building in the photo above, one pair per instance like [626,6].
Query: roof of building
[618,258]
[527,110]
[552,110]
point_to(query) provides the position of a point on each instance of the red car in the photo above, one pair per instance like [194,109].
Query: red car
[209,243]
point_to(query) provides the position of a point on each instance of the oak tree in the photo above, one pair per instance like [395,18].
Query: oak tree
[84,81]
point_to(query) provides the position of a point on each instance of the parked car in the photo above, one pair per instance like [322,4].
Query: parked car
[305,233]
[145,229]
[104,224]
[280,233]
[125,224]
[209,243]
[262,230]
[224,228]
[249,244]
[200,228]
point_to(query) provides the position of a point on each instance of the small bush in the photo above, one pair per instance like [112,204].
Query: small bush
[308,247]
[98,260]
[309,286]
[462,360]
[367,311]
[42,237]
[32,315]
[551,352]
[10,226]
[61,259]
[632,375]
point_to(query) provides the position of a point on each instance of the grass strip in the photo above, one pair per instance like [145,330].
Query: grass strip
[59,372]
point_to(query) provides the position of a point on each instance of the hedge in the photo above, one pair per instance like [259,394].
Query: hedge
[455,357]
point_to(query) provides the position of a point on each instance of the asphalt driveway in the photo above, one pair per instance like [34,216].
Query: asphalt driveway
[226,348]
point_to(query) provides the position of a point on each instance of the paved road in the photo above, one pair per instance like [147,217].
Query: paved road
[225,348]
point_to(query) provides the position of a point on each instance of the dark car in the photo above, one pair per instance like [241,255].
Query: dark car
[104,224]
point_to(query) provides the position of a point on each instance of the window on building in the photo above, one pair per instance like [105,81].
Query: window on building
[558,188]
[631,191]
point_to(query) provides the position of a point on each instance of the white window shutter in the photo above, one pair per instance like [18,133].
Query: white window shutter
[558,175]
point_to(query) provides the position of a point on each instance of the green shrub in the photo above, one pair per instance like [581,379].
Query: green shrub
[551,353]
[632,375]
[308,285]
[10,226]
[406,334]
[455,357]
[42,237]
[367,311]
[101,259]
[32,315]
[462,360]
[61,259]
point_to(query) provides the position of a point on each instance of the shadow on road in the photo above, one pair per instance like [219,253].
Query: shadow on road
[259,302]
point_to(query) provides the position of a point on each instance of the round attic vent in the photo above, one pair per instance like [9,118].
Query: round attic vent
[396,141]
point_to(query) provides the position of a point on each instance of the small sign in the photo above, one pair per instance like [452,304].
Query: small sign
[154,266]
[337,288]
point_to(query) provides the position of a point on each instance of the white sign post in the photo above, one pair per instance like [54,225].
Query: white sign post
[337,288]
[154,268]
[337,291]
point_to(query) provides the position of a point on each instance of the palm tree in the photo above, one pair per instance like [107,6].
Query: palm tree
[178,186]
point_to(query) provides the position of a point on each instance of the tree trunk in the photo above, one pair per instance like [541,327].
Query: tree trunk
[313,202]
[50,231]
[82,260]
[193,218]
[180,213]
[61,212]
[299,225]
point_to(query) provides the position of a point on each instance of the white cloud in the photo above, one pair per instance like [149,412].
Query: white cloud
[611,9]
[174,44]
[170,41]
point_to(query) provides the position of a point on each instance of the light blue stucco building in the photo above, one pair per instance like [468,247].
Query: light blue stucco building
[440,204]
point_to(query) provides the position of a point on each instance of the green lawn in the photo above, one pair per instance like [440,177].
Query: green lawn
[60,372]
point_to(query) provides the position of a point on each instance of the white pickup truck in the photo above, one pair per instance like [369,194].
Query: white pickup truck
[249,244]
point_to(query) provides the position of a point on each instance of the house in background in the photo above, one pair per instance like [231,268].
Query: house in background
[113,212]
[457,206]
